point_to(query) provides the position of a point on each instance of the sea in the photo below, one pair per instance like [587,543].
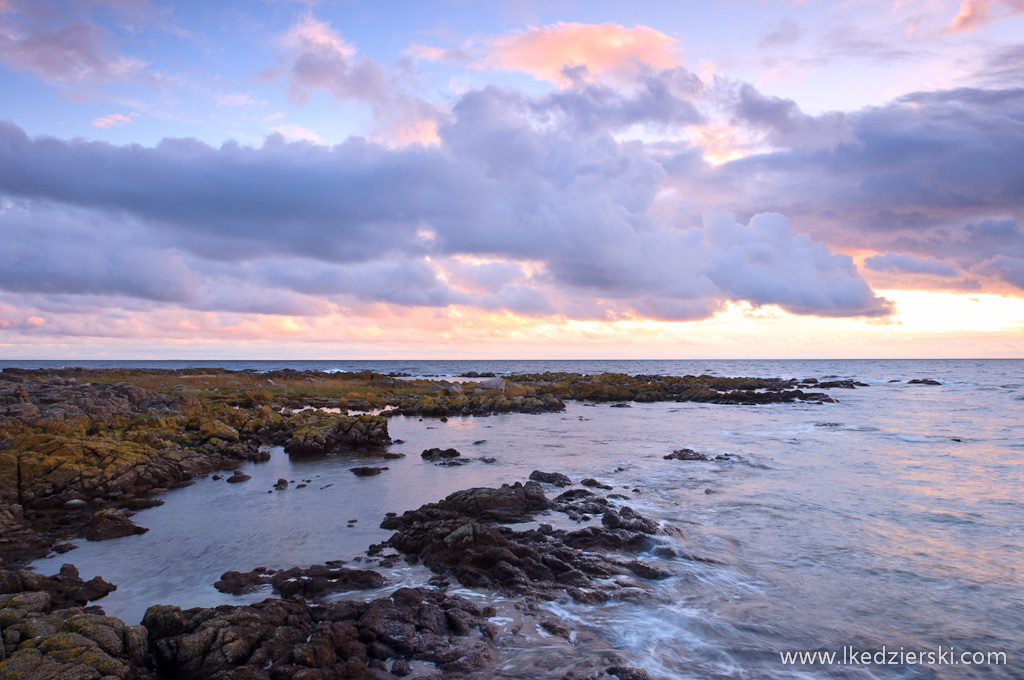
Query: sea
[881,536]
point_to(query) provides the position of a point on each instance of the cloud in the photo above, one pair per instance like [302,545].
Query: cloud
[296,132]
[317,58]
[972,14]
[892,262]
[565,52]
[322,59]
[61,45]
[975,14]
[786,125]
[1008,269]
[816,281]
[112,120]
[298,227]
[785,34]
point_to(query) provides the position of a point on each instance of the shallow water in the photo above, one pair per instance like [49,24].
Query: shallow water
[859,523]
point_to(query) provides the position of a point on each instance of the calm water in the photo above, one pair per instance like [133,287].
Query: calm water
[862,523]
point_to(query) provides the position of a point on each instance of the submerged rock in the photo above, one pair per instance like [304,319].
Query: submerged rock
[367,471]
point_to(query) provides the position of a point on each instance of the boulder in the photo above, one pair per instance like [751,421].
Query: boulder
[493,384]
[436,454]
[556,478]
[215,429]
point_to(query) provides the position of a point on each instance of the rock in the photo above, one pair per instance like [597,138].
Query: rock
[216,429]
[456,539]
[346,639]
[628,673]
[112,523]
[65,589]
[594,484]
[556,478]
[516,390]
[281,484]
[923,381]
[322,433]
[367,471]
[238,477]
[439,454]
[493,384]
[686,454]
[308,583]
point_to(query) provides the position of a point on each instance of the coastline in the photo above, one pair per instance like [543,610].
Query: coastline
[221,405]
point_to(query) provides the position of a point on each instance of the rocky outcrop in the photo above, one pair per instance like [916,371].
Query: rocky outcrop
[291,639]
[322,433]
[64,589]
[490,402]
[48,632]
[459,538]
[66,399]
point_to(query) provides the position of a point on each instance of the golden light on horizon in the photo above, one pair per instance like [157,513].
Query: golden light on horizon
[936,311]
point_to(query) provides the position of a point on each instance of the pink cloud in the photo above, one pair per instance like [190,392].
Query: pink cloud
[972,14]
[567,51]
[976,14]
[61,48]
[112,120]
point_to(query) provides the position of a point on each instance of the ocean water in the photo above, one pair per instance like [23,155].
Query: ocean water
[893,519]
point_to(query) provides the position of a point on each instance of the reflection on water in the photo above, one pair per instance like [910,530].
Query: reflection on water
[859,523]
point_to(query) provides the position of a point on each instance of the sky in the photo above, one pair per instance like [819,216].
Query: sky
[517,179]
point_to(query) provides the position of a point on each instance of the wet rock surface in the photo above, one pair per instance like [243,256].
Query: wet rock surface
[309,583]
[461,537]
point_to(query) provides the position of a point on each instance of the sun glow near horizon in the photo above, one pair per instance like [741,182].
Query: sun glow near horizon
[924,325]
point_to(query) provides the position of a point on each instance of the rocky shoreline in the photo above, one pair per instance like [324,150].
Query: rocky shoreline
[82,451]
[49,630]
